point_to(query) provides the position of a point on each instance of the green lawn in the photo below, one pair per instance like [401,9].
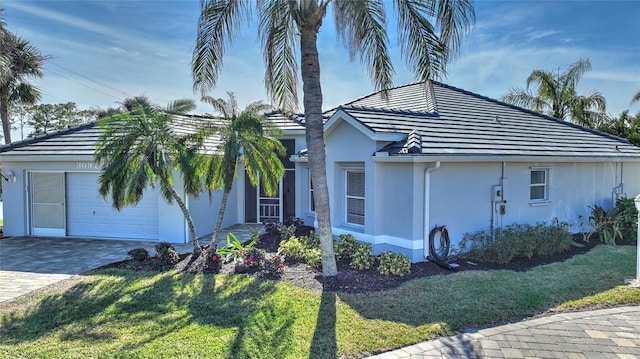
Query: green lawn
[122,314]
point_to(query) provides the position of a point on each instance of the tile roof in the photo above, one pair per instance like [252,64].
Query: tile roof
[80,140]
[450,122]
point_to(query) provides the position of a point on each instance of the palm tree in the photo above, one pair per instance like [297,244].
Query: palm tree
[20,61]
[138,148]
[635,98]
[246,137]
[288,26]
[556,96]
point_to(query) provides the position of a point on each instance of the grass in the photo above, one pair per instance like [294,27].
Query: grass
[122,314]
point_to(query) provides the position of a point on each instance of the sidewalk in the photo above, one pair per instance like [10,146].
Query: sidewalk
[605,333]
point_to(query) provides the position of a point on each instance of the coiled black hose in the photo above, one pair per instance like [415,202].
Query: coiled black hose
[439,243]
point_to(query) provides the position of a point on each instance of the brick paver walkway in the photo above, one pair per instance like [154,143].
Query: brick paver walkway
[30,263]
[606,333]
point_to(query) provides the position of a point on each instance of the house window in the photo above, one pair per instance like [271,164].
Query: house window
[539,190]
[355,197]
[312,201]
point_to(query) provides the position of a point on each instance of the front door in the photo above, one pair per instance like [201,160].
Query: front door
[259,207]
[47,204]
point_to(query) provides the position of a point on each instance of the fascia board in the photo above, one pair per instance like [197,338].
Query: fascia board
[550,159]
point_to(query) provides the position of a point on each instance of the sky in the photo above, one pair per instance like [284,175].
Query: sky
[104,51]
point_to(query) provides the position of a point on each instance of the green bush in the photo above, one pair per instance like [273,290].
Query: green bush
[292,248]
[166,253]
[139,254]
[516,241]
[345,246]
[311,241]
[394,264]
[287,232]
[362,258]
[296,248]
[617,226]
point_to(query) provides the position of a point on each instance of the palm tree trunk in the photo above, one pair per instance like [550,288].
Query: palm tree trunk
[310,70]
[4,115]
[187,216]
[223,207]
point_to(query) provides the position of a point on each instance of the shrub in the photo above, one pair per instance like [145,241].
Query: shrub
[254,257]
[293,248]
[362,258]
[139,254]
[311,241]
[298,248]
[293,221]
[619,225]
[287,232]
[254,235]
[394,264]
[274,265]
[516,241]
[214,259]
[271,226]
[166,253]
[345,246]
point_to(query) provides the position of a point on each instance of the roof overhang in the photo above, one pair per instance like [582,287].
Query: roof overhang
[343,116]
[45,158]
[384,157]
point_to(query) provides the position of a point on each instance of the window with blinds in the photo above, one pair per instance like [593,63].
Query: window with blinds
[354,197]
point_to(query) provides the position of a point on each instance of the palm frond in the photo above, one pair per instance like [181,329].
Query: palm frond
[454,19]
[522,98]
[217,24]
[426,55]
[635,98]
[362,26]
[278,35]
[180,107]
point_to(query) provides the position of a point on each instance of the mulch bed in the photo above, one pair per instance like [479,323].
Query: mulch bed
[349,280]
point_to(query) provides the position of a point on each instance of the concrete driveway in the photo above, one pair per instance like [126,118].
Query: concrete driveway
[30,263]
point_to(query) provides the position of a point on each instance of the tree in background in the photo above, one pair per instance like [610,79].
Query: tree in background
[625,126]
[138,148]
[429,34]
[45,118]
[21,61]
[635,98]
[555,95]
[247,137]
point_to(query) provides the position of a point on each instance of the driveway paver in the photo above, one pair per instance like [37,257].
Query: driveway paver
[604,333]
[30,263]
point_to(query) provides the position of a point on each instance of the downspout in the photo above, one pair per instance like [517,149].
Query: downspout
[427,193]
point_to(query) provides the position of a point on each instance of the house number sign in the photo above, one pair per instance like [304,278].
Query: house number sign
[86,165]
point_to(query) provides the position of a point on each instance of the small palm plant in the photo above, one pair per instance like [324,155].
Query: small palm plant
[247,138]
[137,148]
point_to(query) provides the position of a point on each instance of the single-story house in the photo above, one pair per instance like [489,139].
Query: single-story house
[426,155]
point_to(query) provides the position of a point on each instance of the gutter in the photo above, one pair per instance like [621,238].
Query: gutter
[384,157]
[427,197]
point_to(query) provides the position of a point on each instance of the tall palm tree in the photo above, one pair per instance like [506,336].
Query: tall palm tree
[430,33]
[246,137]
[20,61]
[555,95]
[137,148]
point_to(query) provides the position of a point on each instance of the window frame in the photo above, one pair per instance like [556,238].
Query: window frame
[312,202]
[545,185]
[347,196]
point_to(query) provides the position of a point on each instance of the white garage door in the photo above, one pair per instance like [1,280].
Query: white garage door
[89,215]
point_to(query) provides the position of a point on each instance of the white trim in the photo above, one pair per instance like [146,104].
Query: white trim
[380,239]
[545,185]
[346,196]
[384,157]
